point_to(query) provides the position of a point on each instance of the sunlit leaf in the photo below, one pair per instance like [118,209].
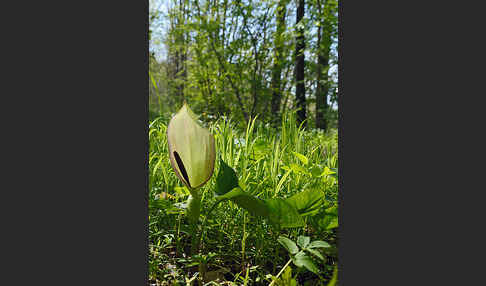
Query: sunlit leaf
[298,169]
[307,202]
[332,210]
[301,157]
[316,253]
[326,221]
[283,214]
[282,180]
[331,222]
[244,200]
[315,171]
[303,260]
[288,244]
[303,241]
[318,244]
[287,276]
[327,171]
[181,191]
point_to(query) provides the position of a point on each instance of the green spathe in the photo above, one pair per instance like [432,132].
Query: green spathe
[191,149]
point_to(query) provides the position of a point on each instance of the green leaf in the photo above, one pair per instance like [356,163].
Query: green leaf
[153,81]
[315,171]
[296,261]
[226,180]
[285,168]
[334,277]
[332,210]
[327,171]
[301,157]
[283,214]
[182,191]
[318,244]
[332,222]
[303,241]
[282,180]
[277,211]
[298,169]
[288,244]
[301,259]
[253,205]
[316,253]
[307,202]
[326,221]
[286,278]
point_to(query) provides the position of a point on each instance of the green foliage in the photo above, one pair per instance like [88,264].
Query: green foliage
[334,278]
[303,241]
[240,231]
[286,213]
[230,57]
[326,219]
[250,203]
[307,202]
[303,260]
[286,279]
[299,256]
[283,214]
[301,157]
[288,244]
[275,177]
[318,244]
[226,180]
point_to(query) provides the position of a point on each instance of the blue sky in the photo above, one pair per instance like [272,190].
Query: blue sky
[158,27]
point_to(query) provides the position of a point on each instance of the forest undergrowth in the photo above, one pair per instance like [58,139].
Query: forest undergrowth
[236,246]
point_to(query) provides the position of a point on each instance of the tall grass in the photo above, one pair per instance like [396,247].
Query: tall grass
[239,247]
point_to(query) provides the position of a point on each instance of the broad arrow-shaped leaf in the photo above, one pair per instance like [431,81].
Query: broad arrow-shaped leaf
[307,202]
[277,210]
[253,205]
[283,213]
[226,180]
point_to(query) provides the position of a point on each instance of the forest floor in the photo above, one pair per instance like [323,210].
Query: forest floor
[237,247]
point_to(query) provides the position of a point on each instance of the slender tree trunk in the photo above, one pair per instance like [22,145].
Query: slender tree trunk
[299,66]
[278,62]
[185,42]
[323,49]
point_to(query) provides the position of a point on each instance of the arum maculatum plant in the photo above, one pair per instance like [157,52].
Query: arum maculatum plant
[192,155]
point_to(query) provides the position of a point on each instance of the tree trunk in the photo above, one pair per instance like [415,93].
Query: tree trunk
[323,49]
[299,66]
[278,62]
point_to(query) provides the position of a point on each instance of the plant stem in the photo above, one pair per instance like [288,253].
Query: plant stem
[243,241]
[288,262]
[178,238]
[194,241]
[193,211]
